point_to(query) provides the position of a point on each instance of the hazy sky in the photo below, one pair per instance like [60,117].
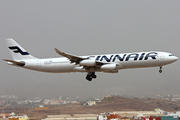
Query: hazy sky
[84,27]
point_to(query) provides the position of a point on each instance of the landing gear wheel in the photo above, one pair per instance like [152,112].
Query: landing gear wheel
[93,75]
[89,78]
[160,71]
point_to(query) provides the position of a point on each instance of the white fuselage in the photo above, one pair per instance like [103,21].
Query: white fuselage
[109,63]
[125,61]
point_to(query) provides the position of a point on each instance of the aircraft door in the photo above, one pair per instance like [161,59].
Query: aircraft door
[38,63]
[160,57]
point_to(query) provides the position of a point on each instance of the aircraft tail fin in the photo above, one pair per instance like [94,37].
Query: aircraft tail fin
[17,52]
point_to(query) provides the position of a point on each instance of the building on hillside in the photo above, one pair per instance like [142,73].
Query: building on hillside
[163,118]
[158,110]
[72,117]
[13,116]
[24,117]
[2,115]
[98,100]
[108,116]
[90,103]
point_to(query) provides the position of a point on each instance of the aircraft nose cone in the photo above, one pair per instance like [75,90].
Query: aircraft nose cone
[170,59]
[176,58]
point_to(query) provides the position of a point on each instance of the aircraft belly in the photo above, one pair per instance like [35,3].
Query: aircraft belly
[59,68]
[140,64]
[49,66]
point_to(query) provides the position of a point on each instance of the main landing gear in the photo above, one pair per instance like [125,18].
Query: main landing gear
[160,71]
[90,76]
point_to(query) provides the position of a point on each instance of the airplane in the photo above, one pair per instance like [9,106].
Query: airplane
[108,63]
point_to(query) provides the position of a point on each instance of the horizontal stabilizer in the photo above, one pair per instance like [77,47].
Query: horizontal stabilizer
[22,63]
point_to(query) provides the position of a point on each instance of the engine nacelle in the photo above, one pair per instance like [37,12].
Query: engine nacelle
[88,63]
[111,67]
[108,67]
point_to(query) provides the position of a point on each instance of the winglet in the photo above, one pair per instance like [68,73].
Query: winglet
[60,53]
[72,58]
[56,50]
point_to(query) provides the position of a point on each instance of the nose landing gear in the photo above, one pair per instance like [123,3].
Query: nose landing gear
[90,76]
[160,71]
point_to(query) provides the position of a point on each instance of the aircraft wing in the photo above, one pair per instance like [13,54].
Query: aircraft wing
[76,59]
[99,63]
[72,58]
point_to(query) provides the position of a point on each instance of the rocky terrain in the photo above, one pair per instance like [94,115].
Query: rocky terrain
[109,104]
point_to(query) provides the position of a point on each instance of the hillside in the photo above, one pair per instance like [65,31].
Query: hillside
[114,103]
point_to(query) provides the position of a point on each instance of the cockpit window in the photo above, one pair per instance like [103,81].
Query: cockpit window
[171,55]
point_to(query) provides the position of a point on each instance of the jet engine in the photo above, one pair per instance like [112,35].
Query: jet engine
[88,63]
[108,67]
[111,67]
